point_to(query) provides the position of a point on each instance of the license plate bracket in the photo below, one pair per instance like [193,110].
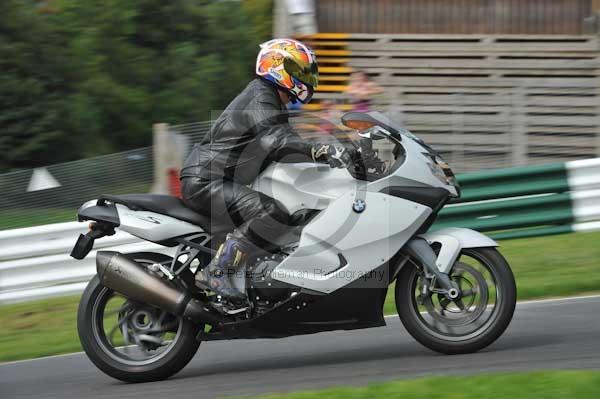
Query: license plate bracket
[82,247]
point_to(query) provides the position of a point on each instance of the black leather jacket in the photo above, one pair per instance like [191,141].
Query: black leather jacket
[252,132]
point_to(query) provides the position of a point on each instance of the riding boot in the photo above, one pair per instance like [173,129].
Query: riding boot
[232,254]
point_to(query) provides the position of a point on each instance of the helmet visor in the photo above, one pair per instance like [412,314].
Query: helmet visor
[308,74]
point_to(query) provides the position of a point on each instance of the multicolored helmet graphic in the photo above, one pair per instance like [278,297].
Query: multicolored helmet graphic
[291,65]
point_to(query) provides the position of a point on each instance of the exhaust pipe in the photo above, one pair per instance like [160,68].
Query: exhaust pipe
[129,278]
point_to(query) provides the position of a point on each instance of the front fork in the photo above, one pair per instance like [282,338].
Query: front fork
[419,249]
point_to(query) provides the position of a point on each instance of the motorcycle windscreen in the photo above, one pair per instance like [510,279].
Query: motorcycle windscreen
[357,233]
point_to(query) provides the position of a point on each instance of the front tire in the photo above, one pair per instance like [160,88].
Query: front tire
[143,352]
[466,327]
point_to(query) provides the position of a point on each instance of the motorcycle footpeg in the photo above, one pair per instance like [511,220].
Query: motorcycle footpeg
[225,307]
[201,282]
[202,285]
[216,300]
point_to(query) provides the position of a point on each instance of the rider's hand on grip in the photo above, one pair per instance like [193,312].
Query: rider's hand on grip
[336,157]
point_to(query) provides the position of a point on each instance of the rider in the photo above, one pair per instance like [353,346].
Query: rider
[252,132]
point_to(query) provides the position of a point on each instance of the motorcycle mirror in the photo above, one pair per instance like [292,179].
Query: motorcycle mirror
[377,124]
[358,121]
[358,125]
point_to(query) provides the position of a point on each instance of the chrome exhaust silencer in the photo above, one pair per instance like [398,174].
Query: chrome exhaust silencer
[123,275]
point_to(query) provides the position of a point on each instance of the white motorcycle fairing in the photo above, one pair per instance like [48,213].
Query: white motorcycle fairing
[304,185]
[153,226]
[341,245]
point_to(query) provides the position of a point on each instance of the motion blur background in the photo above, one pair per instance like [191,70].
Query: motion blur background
[108,96]
[489,84]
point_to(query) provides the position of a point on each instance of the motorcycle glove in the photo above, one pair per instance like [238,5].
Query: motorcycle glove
[336,157]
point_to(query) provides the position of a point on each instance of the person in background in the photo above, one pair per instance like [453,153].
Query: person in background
[329,116]
[295,18]
[361,90]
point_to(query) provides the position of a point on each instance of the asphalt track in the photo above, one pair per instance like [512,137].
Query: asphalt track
[554,334]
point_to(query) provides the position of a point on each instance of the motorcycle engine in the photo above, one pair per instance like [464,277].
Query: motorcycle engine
[265,289]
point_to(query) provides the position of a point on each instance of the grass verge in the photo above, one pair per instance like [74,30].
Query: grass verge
[542,385]
[40,328]
[544,267]
[18,218]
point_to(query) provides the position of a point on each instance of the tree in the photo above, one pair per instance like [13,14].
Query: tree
[84,78]
[30,84]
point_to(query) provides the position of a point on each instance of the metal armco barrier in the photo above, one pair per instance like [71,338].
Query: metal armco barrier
[35,261]
[508,203]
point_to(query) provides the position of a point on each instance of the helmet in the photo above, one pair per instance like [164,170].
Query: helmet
[291,65]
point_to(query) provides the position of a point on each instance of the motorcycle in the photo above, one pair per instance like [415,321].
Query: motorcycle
[356,233]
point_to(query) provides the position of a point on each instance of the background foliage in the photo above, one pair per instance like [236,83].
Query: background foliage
[83,78]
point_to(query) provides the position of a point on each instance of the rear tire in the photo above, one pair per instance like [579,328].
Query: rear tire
[177,354]
[410,310]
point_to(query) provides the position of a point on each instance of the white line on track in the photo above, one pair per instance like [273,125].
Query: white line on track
[519,304]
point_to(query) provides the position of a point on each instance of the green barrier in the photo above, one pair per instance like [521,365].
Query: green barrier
[512,202]
[513,182]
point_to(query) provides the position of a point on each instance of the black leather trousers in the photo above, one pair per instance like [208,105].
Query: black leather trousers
[255,216]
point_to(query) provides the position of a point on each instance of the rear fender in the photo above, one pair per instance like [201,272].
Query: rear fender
[99,211]
[452,240]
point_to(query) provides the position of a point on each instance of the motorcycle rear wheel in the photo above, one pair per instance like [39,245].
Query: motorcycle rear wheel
[472,323]
[145,344]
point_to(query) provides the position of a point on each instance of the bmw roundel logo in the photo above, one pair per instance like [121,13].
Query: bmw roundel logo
[359,205]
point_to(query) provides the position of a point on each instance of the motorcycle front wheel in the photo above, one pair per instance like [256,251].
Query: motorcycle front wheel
[131,341]
[470,323]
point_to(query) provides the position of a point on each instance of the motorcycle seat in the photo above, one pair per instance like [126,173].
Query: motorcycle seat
[167,205]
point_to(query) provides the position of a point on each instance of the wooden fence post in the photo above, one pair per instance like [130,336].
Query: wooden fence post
[519,129]
[458,132]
